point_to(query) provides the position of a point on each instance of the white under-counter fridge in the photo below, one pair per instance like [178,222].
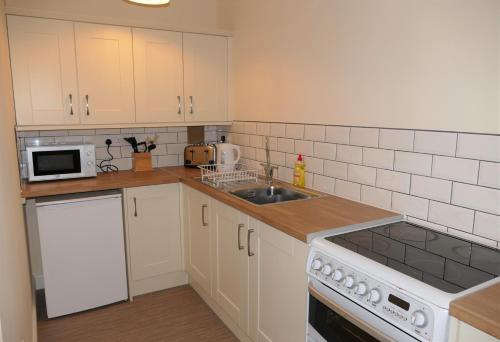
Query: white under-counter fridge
[83,251]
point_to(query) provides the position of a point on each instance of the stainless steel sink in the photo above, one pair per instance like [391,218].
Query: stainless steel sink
[269,195]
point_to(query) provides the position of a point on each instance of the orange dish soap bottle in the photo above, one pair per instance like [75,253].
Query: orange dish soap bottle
[299,173]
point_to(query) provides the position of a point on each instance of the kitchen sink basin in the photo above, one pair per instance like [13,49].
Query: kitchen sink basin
[269,195]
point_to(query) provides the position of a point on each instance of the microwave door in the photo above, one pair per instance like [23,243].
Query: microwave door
[56,164]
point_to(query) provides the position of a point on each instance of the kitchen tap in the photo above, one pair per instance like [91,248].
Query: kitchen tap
[268,168]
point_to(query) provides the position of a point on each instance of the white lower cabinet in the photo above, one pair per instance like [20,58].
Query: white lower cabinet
[252,275]
[232,264]
[463,332]
[198,231]
[278,283]
[154,241]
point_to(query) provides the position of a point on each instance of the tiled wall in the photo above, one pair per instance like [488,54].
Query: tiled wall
[449,180]
[169,151]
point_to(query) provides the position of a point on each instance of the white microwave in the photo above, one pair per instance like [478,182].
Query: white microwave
[60,161]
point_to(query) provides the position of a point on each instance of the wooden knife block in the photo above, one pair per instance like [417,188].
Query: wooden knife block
[142,162]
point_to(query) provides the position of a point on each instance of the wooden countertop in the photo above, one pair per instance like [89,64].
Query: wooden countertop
[103,181]
[480,309]
[297,218]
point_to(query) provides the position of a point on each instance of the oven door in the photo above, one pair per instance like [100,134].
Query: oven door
[55,163]
[332,317]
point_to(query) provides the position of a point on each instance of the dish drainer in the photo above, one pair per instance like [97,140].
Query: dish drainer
[218,175]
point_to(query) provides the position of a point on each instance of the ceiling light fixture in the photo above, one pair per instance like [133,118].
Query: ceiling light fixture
[150,2]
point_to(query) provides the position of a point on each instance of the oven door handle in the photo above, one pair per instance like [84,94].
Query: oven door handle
[348,316]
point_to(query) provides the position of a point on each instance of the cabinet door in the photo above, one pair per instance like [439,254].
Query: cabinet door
[105,73]
[232,263]
[158,76]
[278,286]
[198,235]
[154,230]
[205,77]
[44,71]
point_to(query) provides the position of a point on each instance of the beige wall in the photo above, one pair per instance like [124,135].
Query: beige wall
[15,291]
[180,14]
[384,63]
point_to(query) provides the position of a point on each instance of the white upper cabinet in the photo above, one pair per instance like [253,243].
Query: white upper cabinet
[158,76]
[205,77]
[80,74]
[44,71]
[105,73]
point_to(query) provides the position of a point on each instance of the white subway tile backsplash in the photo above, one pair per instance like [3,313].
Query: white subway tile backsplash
[349,154]
[440,143]
[304,147]
[176,148]
[167,138]
[314,132]
[314,165]
[410,205]
[325,150]
[376,157]
[256,141]
[335,169]
[263,128]
[286,145]
[396,139]
[489,174]
[478,146]
[361,174]
[37,141]
[412,172]
[101,152]
[378,197]
[471,237]
[70,139]
[295,131]
[278,158]
[431,188]
[323,184]
[348,190]
[416,163]
[168,160]
[364,136]
[457,169]
[476,197]
[135,130]
[278,130]
[337,134]
[487,225]
[392,180]
[451,216]
[250,128]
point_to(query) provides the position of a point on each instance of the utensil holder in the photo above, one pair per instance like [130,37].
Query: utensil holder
[142,162]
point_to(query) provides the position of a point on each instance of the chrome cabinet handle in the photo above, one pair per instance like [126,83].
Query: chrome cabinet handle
[250,231]
[71,104]
[135,207]
[179,111]
[87,108]
[203,223]
[191,110]
[240,227]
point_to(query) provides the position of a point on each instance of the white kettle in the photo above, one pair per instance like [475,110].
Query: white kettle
[227,156]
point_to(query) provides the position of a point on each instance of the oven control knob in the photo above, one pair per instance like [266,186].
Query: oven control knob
[418,319]
[349,282]
[361,289]
[338,275]
[327,269]
[316,264]
[375,296]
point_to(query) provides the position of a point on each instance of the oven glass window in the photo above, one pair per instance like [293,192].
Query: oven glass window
[334,327]
[56,162]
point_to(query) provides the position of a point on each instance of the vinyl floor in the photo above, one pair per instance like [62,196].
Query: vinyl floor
[173,315]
